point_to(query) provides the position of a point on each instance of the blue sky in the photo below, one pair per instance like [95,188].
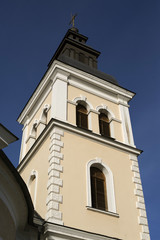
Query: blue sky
[127,34]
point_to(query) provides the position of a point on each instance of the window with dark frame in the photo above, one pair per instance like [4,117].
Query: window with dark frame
[81,116]
[98,189]
[104,125]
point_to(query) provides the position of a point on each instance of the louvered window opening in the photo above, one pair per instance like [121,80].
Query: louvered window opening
[98,189]
[81,116]
[104,125]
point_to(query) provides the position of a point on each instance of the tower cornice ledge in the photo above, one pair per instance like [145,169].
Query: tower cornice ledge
[54,230]
[85,133]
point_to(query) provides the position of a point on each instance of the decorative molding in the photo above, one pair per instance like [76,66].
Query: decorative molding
[104,107]
[83,99]
[36,124]
[140,204]
[123,104]
[46,107]
[72,128]
[53,231]
[115,120]
[30,137]
[95,91]
[94,111]
[33,134]
[54,197]
[59,73]
[26,120]
[94,80]
[72,102]
[89,107]
[39,122]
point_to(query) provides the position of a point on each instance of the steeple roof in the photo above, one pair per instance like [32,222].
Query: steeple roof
[74,52]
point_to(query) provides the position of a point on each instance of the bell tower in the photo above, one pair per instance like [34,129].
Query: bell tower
[78,156]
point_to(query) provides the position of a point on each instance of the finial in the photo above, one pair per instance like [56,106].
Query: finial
[73,20]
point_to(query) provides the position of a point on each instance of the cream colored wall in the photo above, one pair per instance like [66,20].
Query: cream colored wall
[78,151]
[39,162]
[95,101]
[37,116]
[118,131]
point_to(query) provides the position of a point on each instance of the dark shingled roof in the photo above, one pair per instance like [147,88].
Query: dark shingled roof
[72,46]
[87,69]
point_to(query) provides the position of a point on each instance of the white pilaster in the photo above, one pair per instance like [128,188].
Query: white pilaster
[126,122]
[59,97]
[128,126]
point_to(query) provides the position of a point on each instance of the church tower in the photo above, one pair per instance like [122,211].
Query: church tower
[78,156]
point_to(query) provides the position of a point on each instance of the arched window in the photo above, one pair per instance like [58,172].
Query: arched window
[32,185]
[100,186]
[98,189]
[43,119]
[34,130]
[44,116]
[104,124]
[81,116]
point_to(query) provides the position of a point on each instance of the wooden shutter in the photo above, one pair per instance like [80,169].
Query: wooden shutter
[104,125]
[98,189]
[81,117]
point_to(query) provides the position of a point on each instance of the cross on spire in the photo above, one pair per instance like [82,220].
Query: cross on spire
[73,19]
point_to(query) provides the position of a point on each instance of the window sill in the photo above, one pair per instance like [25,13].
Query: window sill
[85,129]
[102,211]
[107,137]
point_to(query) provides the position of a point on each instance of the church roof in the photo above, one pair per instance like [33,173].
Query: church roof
[13,174]
[74,52]
[6,137]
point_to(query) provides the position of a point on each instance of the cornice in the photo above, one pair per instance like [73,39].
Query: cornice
[95,80]
[85,133]
[65,232]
